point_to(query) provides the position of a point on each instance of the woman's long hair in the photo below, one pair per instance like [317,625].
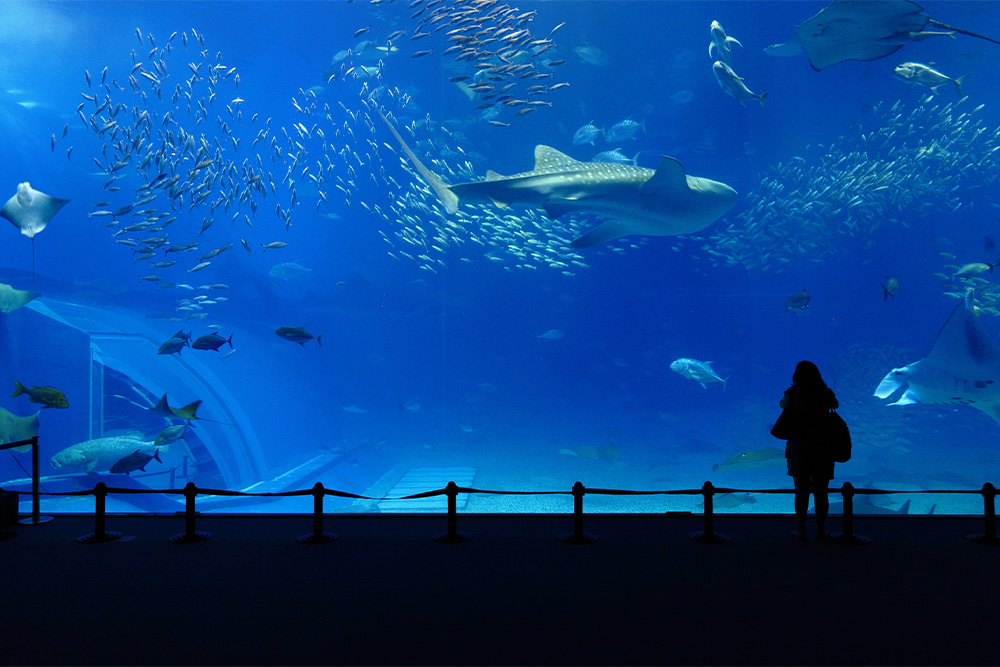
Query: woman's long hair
[807,377]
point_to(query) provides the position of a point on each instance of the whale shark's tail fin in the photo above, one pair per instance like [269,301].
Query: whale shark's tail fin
[444,193]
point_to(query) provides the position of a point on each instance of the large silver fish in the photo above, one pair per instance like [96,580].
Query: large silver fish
[917,74]
[733,84]
[99,454]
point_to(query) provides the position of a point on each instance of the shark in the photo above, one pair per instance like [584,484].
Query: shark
[962,368]
[634,200]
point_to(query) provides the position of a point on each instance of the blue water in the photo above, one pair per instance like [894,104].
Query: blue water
[448,368]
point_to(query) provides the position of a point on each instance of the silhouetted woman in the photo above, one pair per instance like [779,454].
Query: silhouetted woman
[809,400]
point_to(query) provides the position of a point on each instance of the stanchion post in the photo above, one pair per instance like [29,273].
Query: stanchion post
[990,515]
[190,534]
[848,536]
[100,519]
[709,536]
[453,535]
[317,536]
[578,536]
[36,517]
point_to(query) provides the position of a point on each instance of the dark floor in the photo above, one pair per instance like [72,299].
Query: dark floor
[385,593]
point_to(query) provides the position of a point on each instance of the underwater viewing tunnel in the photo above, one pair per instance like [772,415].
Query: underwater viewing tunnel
[105,362]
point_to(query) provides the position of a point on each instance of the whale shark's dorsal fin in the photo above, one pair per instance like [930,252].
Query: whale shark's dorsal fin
[668,181]
[547,158]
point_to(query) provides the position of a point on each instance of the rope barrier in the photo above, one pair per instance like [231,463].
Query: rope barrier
[452,534]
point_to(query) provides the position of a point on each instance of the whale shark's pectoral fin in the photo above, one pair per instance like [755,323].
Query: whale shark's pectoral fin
[609,231]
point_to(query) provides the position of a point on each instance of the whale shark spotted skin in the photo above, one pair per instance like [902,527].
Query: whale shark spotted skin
[635,200]
[962,368]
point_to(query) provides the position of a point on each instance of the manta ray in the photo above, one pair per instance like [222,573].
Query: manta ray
[14,428]
[634,200]
[862,30]
[30,210]
[12,299]
[962,368]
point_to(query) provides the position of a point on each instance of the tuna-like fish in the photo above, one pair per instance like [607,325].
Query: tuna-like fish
[586,134]
[100,454]
[134,461]
[733,84]
[298,335]
[699,371]
[917,74]
[622,130]
[721,43]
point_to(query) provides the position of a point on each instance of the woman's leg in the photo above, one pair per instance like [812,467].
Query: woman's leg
[820,489]
[802,487]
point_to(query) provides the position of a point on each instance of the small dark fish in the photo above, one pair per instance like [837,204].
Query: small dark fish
[172,345]
[298,335]
[211,342]
[797,302]
[889,288]
[134,461]
[48,397]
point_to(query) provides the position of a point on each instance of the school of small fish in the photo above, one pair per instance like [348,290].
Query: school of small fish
[913,163]
[170,153]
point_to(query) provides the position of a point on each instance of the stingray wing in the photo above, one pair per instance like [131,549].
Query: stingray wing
[852,30]
[965,348]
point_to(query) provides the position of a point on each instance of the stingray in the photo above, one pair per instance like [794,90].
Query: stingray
[30,211]
[962,368]
[12,299]
[14,429]
[862,30]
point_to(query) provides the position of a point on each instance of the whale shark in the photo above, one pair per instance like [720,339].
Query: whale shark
[962,368]
[634,200]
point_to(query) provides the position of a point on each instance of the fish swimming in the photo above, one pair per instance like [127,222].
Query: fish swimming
[921,75]
[100,454]
[31,210]
[755,458]
[14,428]
[170,434]
[288,270]
[134,461]
[47,397]
[635,200]
[12,299]
[298,335]
[623,130]
[721,43]
[211,342]
[586,134]
[797,302]
[732,84]
[962,368]
[699,371]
